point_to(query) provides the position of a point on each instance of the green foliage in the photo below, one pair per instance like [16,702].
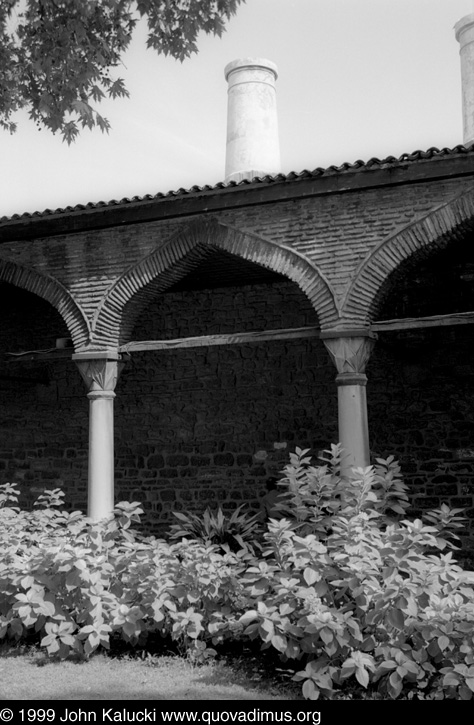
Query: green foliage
[354,594]
[346,590]
[56,55]
[237,531]
[71,584]
[317,495]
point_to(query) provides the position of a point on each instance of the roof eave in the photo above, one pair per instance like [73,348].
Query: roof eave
[407,169]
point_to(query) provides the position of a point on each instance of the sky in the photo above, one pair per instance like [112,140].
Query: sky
[357,79]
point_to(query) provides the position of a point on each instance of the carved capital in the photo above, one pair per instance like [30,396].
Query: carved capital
[350,354]
[100,375]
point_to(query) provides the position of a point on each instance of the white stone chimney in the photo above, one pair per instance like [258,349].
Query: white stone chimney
[252,147]
[464,30]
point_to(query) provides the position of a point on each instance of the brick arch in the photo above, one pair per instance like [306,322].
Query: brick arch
[52,291]
[436,230]
[118,311]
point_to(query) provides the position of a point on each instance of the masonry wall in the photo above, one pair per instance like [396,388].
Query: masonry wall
[420,404]
[208,425]
[192,427]
[43,407]
[334,231]
[421,382]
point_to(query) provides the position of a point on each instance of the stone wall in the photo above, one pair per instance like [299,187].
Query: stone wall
[204,426]
[420,400]
[328,232]
[208,425]
[43,407]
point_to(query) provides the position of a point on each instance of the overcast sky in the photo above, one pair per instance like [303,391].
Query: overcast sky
[357,79]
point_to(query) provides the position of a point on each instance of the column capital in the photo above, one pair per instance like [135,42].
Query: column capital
[350,354]
[100,372]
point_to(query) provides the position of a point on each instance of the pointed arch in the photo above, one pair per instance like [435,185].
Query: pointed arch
[166,265]
[52,291]
[436,230]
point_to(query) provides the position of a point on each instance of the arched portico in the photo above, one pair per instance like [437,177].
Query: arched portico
[43,426]
[116,316]
[118,311]
[53,292]
[421,374]
[220,418]
[435,230]
[350,345]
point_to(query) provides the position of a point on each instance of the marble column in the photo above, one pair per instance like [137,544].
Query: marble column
[100,372]
[350,353]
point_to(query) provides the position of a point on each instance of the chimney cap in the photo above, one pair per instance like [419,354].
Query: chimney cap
[250,63]
[466,22]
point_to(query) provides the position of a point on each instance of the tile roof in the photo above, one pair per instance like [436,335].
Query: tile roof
[359,165]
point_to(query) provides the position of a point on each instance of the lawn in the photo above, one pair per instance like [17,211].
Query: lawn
[29,675]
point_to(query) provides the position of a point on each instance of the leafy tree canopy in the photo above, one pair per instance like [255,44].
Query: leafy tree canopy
[56,56]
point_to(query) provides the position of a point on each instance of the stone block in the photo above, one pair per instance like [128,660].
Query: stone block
[223,459]
[177,460]
[168,473]
[155,461]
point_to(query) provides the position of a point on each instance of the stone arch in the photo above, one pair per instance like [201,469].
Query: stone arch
[436,230]
[52,291]
[119,310]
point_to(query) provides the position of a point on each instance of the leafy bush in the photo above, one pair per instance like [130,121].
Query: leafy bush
[70,583]
[347,590]
[354,594]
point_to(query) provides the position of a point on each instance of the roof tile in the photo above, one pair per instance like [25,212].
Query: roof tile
[278,178]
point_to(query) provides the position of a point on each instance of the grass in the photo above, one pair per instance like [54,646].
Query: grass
[26,674]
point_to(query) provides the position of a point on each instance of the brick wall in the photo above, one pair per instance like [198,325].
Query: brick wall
[420,402]
[207,425]
[43,408]
[334,231]
[192,426]
[421,382]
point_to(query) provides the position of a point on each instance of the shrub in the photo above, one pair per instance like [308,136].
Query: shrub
[354,594]
[70,583]
[346,589]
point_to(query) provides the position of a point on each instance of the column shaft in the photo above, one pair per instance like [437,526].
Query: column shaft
[350,353]
[353,423]
[100,372]
[100,493]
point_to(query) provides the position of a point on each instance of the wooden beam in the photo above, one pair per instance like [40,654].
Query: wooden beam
[52,354]
[238,338]
[296,333]
[243,338]
[416,323]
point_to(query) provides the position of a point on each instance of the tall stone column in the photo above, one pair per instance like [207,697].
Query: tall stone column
[350,353]
[100,372]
